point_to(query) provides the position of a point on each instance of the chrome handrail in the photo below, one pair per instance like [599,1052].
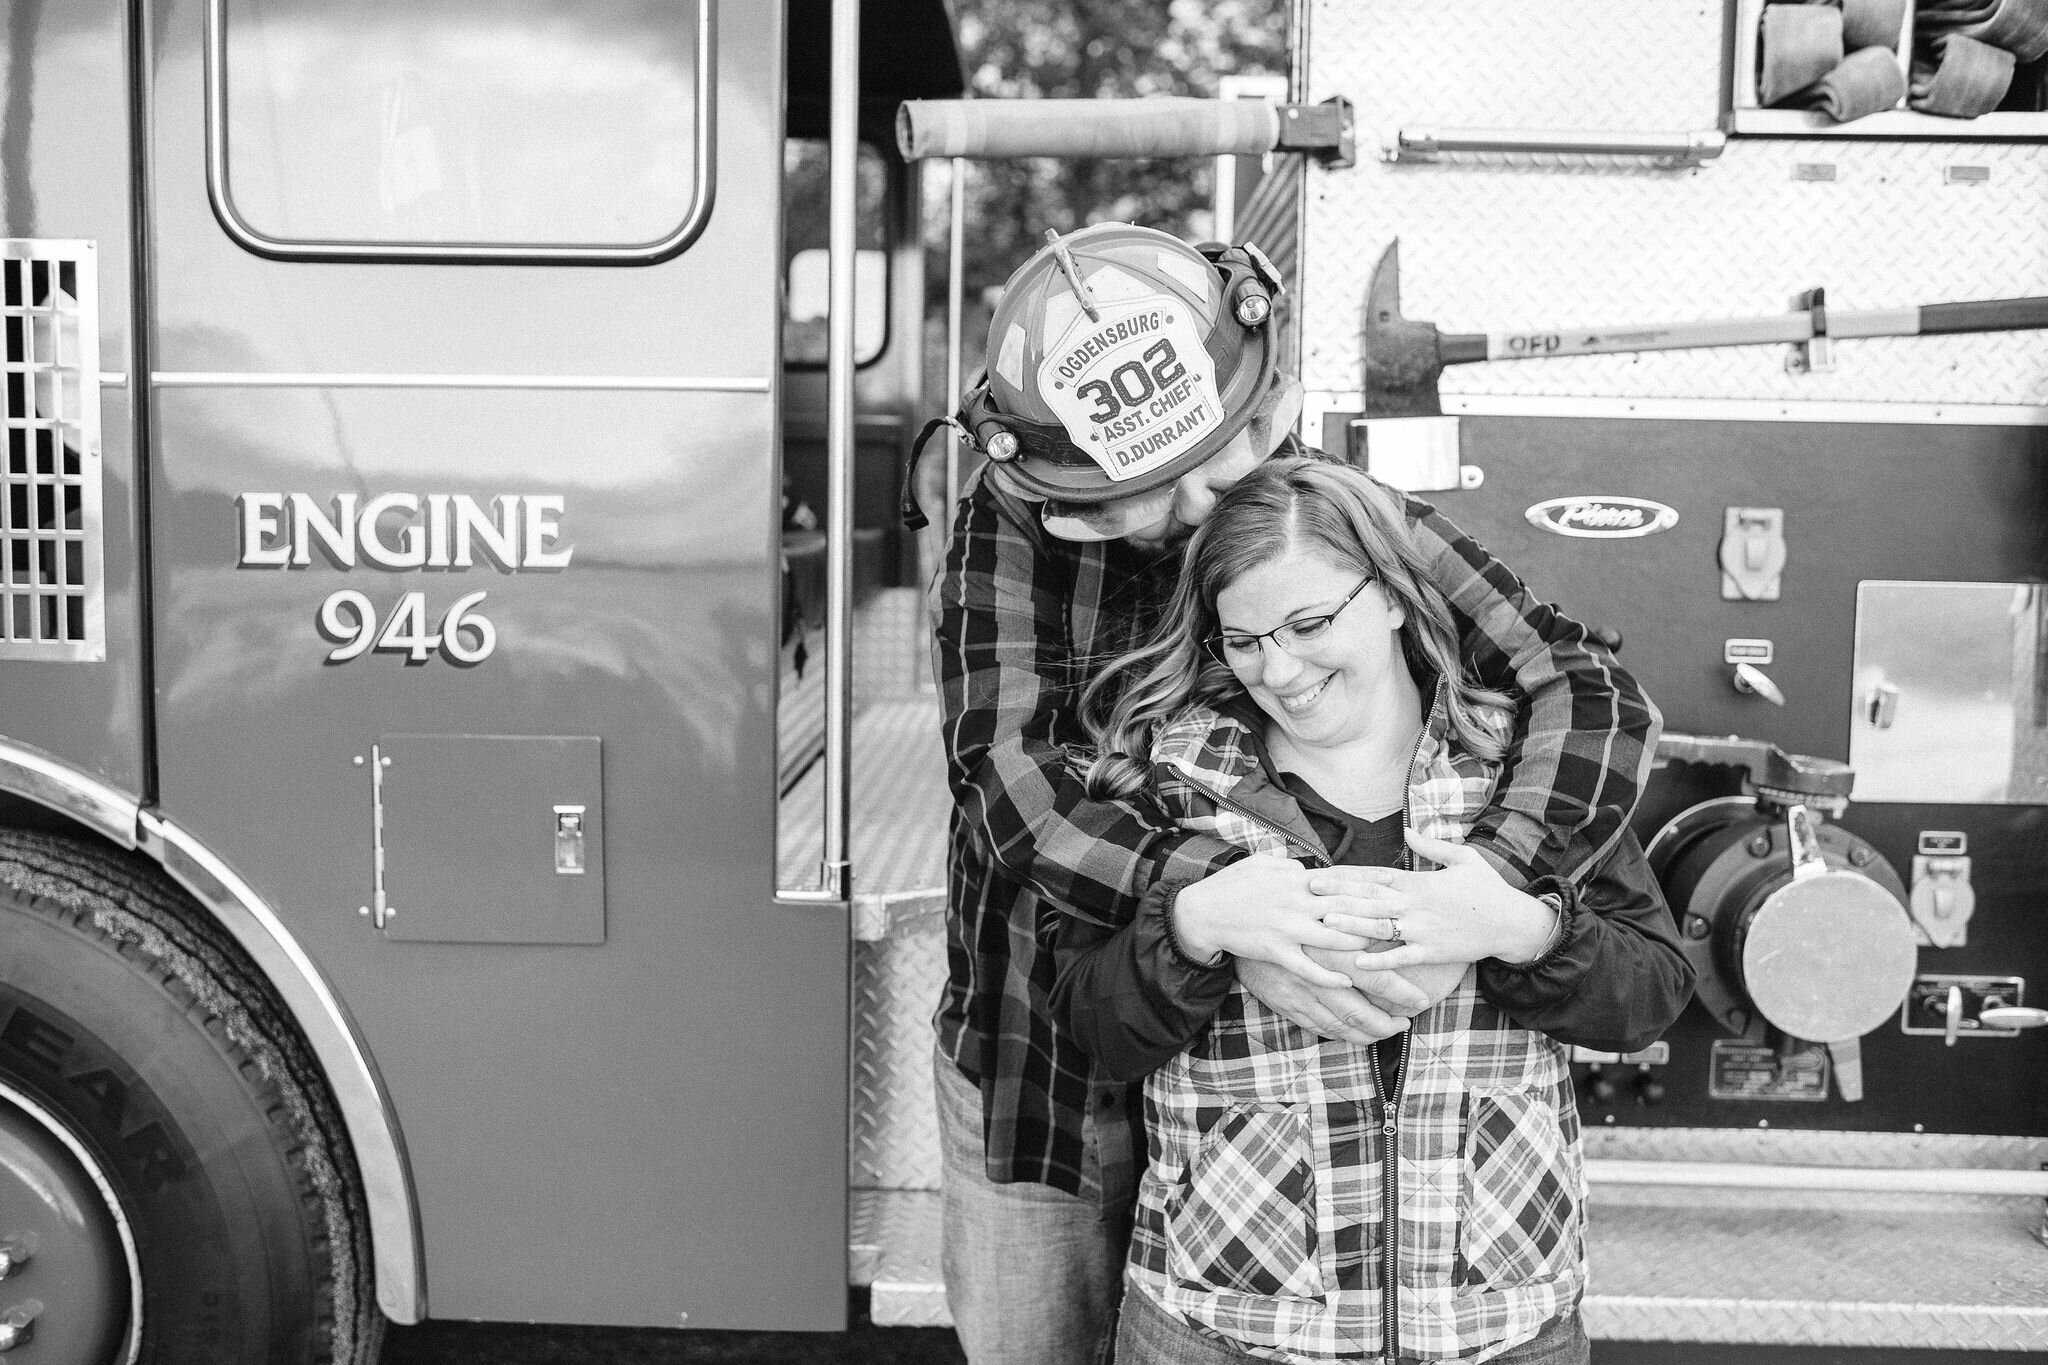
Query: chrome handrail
[956,260]
[1426,144]
[835,870]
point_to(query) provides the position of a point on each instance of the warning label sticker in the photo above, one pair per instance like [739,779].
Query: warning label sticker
[1750,1071]
[1134,388]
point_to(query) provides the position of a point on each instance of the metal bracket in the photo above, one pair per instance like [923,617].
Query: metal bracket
[1326,131]
[1816,355]
[1803,844]
[378,910]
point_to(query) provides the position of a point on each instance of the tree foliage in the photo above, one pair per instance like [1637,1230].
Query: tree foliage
[1087,49]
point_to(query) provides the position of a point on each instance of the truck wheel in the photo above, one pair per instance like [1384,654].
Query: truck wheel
[151,1078]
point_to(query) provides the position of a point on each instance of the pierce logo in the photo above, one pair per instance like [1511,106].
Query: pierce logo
[1602,518]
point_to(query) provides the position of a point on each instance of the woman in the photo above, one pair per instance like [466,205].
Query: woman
[1304,699]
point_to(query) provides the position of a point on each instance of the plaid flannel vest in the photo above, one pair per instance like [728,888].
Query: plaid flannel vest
[1262,1215]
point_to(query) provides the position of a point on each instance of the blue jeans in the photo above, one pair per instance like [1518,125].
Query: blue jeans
[1032,1273]
[1149,1335]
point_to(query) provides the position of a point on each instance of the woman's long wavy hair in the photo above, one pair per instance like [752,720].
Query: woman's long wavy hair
[1287,503]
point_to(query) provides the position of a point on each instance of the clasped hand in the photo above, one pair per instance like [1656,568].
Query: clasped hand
[1261,910]
[1460,913]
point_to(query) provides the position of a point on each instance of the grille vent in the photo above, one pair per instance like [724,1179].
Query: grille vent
[51,596]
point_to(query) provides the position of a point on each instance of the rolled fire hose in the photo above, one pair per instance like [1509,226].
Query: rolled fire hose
[1801,44]
[1962,79]
[1841,61]
[1086,128]
[2018,26]
[1867,82]
[1872,23]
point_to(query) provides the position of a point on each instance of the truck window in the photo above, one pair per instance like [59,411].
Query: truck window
[522,128]
[806,194]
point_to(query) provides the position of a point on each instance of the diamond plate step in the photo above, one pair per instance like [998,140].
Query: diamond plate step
[1760,1267]
[898,818]
[895,1253]
[1832,1269]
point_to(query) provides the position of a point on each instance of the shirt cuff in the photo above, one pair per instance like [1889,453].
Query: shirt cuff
[1161,901]
[1559,895]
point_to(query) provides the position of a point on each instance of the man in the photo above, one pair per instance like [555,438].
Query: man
[1132,379]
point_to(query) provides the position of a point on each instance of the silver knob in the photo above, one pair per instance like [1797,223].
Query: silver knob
[2013,1016]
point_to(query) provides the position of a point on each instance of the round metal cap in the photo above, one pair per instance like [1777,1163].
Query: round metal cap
[1829,958]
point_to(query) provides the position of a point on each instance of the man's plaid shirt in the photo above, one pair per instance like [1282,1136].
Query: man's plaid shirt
[1021,619]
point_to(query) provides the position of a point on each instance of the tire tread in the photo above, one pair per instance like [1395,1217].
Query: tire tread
[128,907]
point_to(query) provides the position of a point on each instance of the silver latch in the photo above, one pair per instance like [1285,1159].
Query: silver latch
[1752,553]
[1881,705]
[1752,681]
[569,841]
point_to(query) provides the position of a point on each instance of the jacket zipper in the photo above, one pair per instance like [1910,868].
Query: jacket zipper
[1390,1187]
[1390,1177]
[1390,1173]
[1293,842]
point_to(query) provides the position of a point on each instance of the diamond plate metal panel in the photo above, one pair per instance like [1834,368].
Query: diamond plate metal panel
[892,651]
[897,817]
[1817,1269]
[1491,244]
[1787,1147]
[896,984]
[900,807]
[895,1252]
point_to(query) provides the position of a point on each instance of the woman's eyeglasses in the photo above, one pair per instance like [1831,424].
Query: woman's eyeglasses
[1233,649]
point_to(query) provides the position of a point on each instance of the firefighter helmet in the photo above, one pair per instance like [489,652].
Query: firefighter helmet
[1120,358]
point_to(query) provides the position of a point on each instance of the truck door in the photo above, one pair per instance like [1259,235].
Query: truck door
[466,590]
[71,654]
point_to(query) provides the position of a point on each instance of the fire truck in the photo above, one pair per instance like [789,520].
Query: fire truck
[471,847]
[394,587]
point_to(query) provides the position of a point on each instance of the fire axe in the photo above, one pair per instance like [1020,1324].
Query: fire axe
[1404,357]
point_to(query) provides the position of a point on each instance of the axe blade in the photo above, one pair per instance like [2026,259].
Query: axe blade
[1402,358]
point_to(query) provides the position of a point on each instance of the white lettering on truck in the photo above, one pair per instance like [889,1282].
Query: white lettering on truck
[516,532]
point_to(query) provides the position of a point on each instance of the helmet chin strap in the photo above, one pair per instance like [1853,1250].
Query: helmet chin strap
[1278,413]
[1087,521]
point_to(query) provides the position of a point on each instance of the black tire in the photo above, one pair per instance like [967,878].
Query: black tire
[128,1014]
